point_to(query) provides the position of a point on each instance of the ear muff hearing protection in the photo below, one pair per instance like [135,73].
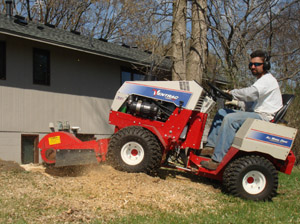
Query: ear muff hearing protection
[267,65]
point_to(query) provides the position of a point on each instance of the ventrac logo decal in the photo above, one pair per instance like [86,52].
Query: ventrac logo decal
[165,95]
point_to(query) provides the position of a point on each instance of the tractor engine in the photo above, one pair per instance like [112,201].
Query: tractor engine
[149,108]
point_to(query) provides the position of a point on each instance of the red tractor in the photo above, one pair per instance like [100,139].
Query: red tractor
[161,123]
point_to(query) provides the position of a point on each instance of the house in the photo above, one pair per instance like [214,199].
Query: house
[49,75]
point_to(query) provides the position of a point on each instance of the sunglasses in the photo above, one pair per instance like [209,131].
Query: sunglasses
[255,64]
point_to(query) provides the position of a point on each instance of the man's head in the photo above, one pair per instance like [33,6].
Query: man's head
[259,63]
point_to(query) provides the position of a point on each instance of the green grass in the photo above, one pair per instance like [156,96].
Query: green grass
[285,208]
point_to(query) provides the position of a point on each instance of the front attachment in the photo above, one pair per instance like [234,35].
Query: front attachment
[64,149]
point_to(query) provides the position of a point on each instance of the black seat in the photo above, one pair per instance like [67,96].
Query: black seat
[286,101]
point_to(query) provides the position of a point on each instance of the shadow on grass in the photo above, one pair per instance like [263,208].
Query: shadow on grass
[164,173]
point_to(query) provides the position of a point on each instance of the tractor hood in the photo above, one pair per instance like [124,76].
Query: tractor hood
[187,94]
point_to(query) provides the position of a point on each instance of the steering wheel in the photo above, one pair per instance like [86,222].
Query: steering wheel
[219,93]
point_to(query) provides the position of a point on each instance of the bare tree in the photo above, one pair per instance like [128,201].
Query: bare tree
[285,45]
[197,55]
[189,63]
[235,27]
[179,40]
[128,21]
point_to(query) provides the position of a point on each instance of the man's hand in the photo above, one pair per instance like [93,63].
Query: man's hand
[232,102]
[227,91]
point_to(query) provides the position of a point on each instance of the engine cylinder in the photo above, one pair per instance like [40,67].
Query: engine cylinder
[143,108]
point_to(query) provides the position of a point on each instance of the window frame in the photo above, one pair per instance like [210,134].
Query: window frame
[46,76]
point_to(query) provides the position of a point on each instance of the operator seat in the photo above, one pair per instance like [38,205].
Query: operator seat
[287,99]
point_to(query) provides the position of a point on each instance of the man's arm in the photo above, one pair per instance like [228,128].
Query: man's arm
[245,94]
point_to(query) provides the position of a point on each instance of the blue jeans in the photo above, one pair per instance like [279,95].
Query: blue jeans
[225,124]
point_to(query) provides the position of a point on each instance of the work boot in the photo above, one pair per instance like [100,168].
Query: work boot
[210,164]
[207,151]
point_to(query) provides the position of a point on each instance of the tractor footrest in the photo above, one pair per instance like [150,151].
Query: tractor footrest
[73,157]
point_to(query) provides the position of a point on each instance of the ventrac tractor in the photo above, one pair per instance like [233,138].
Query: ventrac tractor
[161,124]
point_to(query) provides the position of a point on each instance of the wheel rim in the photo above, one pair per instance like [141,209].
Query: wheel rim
[132,153]
[254,182]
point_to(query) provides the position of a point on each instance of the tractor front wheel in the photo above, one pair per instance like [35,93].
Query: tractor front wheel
[251,177]
[135,149]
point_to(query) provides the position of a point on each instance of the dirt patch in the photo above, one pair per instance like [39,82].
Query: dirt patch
[10,166]
[84,194]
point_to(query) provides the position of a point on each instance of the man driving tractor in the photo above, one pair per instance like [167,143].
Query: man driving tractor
[265,99]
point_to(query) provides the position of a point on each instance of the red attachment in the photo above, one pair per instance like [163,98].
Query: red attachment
[65,141]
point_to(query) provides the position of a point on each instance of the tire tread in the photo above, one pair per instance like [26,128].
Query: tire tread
[155,152]
[231,177]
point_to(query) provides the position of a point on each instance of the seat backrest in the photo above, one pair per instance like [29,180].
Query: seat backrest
[286,101]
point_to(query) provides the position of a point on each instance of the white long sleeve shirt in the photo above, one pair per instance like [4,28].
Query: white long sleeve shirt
[265,95]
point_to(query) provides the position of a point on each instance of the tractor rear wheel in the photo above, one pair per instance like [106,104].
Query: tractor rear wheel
[135,149]
[251,177]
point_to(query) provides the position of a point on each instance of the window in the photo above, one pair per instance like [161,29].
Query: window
[128,75]
[132,75]
[2,60]
[41,67]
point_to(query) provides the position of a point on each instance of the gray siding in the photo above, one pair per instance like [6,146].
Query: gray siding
[30,111]
[10,146]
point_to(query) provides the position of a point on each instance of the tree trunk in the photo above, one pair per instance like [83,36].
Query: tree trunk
[197,57]
[179,39]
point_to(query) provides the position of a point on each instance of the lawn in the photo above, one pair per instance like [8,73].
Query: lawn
[285,208]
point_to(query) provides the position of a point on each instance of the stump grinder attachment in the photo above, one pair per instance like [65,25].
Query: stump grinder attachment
[64,149]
